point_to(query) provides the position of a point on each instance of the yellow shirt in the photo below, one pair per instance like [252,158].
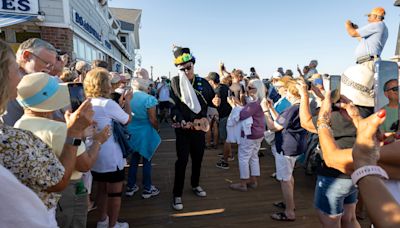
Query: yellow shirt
[53,133]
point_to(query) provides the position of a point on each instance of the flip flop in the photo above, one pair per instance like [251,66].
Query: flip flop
[281,216]
[281,205]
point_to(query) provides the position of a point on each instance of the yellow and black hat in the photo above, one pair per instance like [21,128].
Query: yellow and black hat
[182,56]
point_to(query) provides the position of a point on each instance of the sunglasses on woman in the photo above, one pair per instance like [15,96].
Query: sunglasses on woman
[394,89]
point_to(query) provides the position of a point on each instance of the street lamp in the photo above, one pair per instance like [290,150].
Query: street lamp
[151,72]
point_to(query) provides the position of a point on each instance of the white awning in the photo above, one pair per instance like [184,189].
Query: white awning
[12,19]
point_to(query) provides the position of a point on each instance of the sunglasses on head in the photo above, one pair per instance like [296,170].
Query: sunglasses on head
[394,89]
[186,68]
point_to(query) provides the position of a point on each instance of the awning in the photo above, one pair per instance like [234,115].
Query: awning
[12,19]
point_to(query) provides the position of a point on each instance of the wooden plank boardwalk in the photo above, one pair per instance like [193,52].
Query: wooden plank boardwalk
[239,209]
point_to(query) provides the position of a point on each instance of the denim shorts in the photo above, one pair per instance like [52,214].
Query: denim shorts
[331,194]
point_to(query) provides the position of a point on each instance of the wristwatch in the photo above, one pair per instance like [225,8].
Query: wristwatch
[366,171]
[73,141]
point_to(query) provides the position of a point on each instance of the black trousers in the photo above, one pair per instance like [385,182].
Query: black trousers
[188,142]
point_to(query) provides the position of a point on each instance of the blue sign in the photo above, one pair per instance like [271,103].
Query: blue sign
[86,26]
[19,6]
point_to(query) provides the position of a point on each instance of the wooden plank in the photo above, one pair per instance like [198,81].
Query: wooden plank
[240,209]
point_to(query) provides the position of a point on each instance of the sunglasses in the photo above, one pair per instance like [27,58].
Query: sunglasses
[394,89]
[49,66]
[186,68]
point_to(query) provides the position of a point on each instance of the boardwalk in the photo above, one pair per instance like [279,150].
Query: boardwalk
[248,209]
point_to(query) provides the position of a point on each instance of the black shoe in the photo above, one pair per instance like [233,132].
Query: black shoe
[222,165]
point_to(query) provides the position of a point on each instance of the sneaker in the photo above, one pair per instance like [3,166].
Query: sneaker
[198,191]
[222,165]
[131,191]
[121,225]
[231,158]
[238,187]
[177,203]
[102,224]
[150,193]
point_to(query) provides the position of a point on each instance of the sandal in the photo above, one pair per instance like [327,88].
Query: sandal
[281,216]
[281,205]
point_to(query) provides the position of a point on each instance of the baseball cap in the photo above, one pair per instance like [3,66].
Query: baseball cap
[379,11]
[276,75]
[41,92]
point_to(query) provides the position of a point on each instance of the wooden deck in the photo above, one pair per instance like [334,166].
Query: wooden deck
[239,209]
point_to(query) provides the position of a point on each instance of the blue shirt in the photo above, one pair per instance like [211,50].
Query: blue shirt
[294,136]
[374,36]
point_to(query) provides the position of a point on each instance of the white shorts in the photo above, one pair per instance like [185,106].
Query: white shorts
[284,166]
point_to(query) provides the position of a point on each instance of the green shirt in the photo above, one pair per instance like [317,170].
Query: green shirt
[392,115]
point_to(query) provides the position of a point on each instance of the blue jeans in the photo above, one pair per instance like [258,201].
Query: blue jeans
[133,171]
[331,194]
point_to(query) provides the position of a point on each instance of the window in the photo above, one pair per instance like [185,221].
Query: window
[88,52]
[123,40]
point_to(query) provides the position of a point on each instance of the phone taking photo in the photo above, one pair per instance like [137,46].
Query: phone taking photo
[387,94]
[76,95]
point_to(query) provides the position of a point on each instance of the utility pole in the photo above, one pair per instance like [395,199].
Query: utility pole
[151,72]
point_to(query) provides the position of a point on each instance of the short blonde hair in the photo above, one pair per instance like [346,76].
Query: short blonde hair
[292,89]
[68,75]
[6,54]
[97,83]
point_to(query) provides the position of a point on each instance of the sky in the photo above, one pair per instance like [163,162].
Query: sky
[265,34]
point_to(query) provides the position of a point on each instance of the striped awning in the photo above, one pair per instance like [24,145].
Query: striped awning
[12,19]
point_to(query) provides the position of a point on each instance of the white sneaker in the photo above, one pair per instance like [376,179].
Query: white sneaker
[121,225]
[177,203]
[103,224]
[131,191]
[198,191]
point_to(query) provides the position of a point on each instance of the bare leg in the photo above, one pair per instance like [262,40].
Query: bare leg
[288,196]
[114,202]
[349,219]
[101,200]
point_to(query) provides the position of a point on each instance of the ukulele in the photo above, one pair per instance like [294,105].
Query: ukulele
[198,125]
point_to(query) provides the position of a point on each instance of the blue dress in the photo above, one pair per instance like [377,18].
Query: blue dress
[144,138]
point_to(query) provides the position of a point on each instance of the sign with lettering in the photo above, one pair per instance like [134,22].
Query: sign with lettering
[84,24]
[20,6]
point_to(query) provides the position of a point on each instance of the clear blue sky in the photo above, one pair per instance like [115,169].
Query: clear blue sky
[260,33]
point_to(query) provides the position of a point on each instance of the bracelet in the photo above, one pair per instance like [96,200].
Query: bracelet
[322,121]
[324,125]
[366,171]
[98,142]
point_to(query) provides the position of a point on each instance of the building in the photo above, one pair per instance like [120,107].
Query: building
[86,30]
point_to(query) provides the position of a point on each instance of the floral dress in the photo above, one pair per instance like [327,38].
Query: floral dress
[31,161]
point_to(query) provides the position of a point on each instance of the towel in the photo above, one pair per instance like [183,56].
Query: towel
[188,95]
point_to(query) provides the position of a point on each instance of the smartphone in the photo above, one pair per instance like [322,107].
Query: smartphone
[76,95]
[334,82]
[387,94]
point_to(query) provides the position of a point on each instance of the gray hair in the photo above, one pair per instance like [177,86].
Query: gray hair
[140,84]
[259,86]
[34,45]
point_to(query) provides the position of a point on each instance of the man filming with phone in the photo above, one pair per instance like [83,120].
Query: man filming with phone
[372,37]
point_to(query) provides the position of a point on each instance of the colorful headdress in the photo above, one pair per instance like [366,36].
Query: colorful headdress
[183,55]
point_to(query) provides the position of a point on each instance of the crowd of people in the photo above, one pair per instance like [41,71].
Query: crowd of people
[51,152]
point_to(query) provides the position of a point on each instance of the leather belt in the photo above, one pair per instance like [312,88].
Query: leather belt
[366,58]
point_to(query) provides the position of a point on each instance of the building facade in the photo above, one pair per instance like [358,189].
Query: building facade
[86,30]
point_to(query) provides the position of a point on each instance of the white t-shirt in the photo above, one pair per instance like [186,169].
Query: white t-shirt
[20,206]
[110,155]
[164,92]
[53,133]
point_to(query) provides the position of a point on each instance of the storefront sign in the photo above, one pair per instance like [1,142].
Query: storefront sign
[19,6]
[84,24]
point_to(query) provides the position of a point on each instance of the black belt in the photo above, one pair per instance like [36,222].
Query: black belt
[366,58]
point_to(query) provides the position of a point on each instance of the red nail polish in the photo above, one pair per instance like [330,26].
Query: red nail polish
[382,113]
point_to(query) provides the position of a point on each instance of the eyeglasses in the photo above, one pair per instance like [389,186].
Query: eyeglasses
[49,66]
[186,68]
[394,89]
